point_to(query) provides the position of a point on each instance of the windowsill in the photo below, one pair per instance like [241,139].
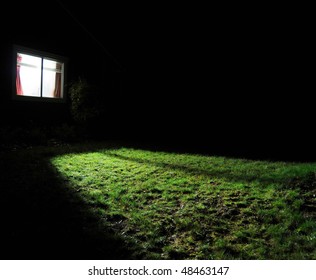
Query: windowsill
[38,99]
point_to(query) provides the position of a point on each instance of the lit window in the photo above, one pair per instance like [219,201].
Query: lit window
[39,76]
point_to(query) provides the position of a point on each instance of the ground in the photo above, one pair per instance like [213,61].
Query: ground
[114,201]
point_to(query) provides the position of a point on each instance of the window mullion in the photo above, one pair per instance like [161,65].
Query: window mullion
[42,67]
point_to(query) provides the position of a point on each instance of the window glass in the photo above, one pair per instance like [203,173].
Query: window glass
[28,75]
[52,79]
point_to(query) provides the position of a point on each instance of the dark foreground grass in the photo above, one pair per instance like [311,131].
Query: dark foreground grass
[113,202]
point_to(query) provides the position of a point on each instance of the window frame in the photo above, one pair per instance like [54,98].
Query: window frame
[43,55]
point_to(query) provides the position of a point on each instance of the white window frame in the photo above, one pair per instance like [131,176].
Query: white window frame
[44,55]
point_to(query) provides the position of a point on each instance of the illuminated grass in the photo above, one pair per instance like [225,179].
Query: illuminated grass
[182,206]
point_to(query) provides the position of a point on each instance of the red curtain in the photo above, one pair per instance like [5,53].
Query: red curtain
[57,91]
[19,90]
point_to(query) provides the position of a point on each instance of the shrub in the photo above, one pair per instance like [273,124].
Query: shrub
[86,101]
[65,133]
[29,134]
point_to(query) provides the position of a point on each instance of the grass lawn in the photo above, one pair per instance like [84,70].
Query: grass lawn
[105,201]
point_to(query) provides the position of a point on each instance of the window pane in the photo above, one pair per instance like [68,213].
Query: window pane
[28,75]
[52,78]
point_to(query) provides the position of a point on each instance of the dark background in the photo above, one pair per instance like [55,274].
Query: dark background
[231,77]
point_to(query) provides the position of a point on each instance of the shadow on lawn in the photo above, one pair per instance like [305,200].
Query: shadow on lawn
[239,176]
[266,152]
[43,219]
